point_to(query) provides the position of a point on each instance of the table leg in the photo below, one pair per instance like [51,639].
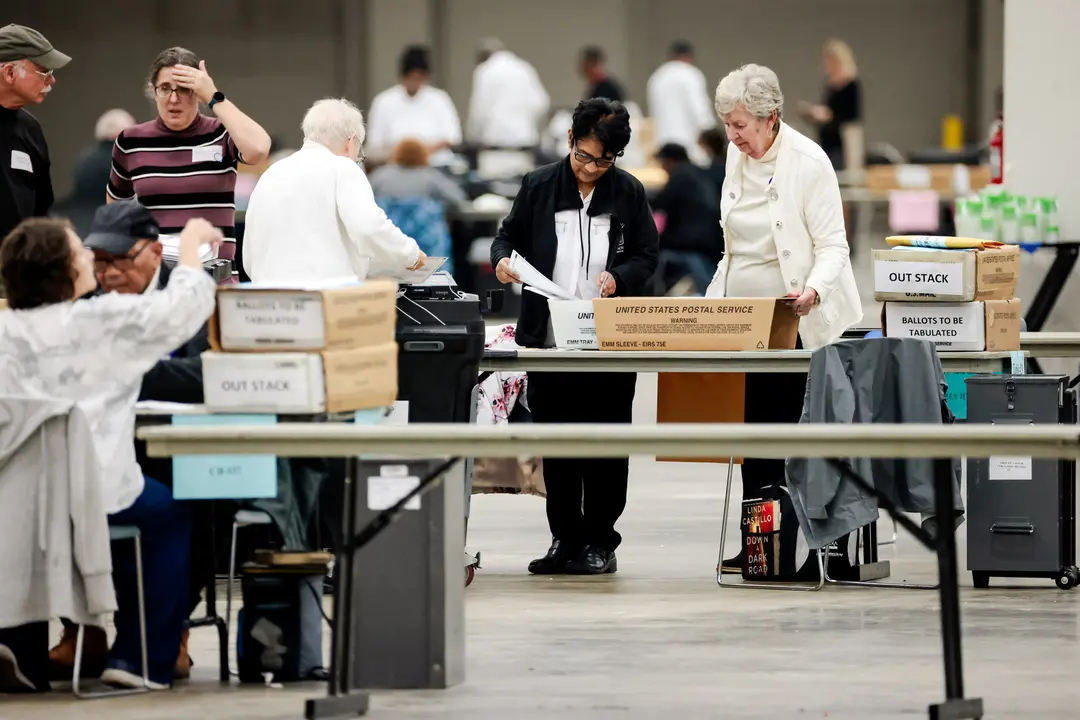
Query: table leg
[1049,291]
[955,707]
[341,700]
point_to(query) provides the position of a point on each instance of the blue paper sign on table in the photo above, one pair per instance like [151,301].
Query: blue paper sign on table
[224,477]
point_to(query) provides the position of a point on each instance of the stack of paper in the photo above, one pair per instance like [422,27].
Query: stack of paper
[535,280]
[170,249]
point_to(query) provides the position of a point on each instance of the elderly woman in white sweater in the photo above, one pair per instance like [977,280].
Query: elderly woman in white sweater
[784,228]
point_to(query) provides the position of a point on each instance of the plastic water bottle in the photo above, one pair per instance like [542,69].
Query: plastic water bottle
[1052,232]
[1010,224]
[1029,228]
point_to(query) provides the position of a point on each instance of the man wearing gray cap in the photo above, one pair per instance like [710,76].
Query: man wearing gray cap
[27,63]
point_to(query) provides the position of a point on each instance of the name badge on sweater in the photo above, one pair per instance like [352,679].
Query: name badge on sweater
[21,161]
[207,153]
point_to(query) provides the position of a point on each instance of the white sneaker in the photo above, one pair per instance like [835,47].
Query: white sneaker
[11,678]
[122,678]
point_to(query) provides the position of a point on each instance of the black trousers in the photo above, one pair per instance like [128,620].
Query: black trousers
[585,496]
[770,398]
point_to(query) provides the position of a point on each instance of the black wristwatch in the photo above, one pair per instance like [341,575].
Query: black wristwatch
[216,98]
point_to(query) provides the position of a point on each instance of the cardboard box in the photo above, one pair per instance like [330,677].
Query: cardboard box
[3,304]
[301,383]
[928,275]
[695,324]
[696,397]
[990,325]
[258,318]
[573,324]
[942,178]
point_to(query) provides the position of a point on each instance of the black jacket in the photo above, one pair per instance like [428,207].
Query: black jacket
[530,229]
[692,205]
[177,378]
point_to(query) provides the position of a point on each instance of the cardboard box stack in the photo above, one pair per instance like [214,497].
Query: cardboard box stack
[302,350]
[958,298]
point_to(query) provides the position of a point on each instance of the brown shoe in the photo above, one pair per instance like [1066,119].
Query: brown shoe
[182,671]
[95,653]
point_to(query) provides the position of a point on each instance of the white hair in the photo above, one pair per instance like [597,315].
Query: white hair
[332,121]
[112,123]
[755,87]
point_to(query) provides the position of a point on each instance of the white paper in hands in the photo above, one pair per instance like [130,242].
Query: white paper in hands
[531,276]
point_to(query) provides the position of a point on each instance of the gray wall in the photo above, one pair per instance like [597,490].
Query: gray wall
[274,57]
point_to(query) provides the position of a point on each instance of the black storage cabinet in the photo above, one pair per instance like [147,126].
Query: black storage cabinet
[1021,511]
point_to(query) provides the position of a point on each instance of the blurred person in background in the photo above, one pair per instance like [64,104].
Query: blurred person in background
[692,241]
[313,216]
[586,225]
[784,236]
[409,174]
[679,102]
[413,109]
[593,67]
[842,103]
[508,100]
[27,64]
[92,169]
[182,164]
[714,143]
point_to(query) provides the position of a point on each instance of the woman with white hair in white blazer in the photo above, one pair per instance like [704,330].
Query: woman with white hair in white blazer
[784,232]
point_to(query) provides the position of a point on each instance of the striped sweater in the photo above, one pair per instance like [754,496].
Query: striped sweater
[179,175]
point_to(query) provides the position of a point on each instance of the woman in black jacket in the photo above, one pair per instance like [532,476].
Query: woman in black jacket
[585,224]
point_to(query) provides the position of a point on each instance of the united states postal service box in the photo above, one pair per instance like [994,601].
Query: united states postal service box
[301,383]
[573,324]
[224,477]
[992,325]
[262,318]
[695,324]
[927,275]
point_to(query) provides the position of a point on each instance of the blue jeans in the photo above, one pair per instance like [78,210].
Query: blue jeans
[694,264]
[166,558]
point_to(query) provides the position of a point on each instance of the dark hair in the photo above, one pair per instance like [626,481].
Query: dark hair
[35,264]
[606,120]
[415,57]
[593,54]
[681,48]
[674,152]
[170,57]
[715,140]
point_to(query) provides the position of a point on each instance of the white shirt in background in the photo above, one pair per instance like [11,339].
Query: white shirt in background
[507,104]
[680,107]
[429,116]
[754,267]
[312,217]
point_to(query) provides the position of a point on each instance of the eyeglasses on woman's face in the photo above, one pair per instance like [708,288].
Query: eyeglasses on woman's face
[585,158]
[164,91]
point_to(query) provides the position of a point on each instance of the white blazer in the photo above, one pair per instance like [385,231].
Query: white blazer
[807,219]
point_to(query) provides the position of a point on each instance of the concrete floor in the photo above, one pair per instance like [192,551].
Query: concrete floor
[660,639]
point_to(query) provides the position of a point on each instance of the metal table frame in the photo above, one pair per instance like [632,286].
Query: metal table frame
[744,361]
[686,440]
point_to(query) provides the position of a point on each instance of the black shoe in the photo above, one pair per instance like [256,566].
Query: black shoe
[554,563]
[733,566]
[593,560]
[12,679]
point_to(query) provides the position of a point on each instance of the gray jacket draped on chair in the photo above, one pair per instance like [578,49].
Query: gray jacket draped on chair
[55,559]
[883,380]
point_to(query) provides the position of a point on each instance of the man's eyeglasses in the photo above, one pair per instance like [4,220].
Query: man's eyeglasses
[585,158]
[164,91]
[45,74]
[123,263]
